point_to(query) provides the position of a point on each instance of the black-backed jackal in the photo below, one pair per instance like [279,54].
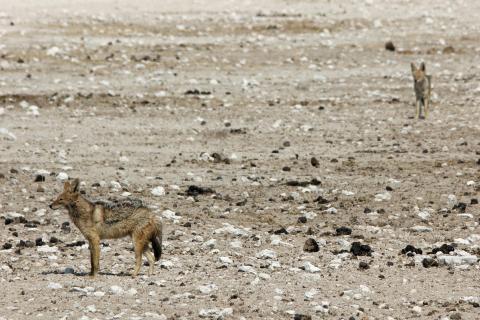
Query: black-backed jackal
[112,220]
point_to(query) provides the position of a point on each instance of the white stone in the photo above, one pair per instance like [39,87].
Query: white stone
[54,285]
[331,210]
[7,134]
[169,214]
[424,215]
[457,260]
[310,294]
[166,264]
[210,244]
[158,191]
[53,51]
[152,315]
[228,228]
[451,200]
[225,260]
[115,186]
[132,291]
[237,244]
[91,308]
[62,176]
[417,309]
[208,288]
[383,196]
[116,290]
[217,314]
[247,269]
[264,276]
[421,229]
[309,267]
[47,249]
[267,254]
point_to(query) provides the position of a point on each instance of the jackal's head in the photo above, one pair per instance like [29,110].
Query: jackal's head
[68,196]
[418,73]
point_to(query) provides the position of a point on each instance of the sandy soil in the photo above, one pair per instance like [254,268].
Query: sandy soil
[239,96]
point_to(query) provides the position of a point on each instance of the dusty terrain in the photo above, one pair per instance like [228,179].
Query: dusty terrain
[239,97]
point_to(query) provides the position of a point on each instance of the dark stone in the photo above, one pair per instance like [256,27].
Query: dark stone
[358,249]
[286,143]
[367,210]
[187,225]
[7,246]
[461,207]
[13,170]
[343,231]
[296,183]
[363,265]
[39,178]
[314,162]
[321,200]
[302,219]
[194,191]
[429,262]
[69,271]
[473,201]
[54,240]
[25,244]
[66,227]
[75,244]
[444,248]
[197,92]
[286,169]
[389,46]
[8,221]
[298,316]
[39,242]
[282,230]
[311,245]
[410,248]
[388,188]
[30,225]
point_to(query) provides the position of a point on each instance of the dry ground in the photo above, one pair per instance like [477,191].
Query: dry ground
[141,94]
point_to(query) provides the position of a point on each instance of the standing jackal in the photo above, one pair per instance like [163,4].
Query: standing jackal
[112,220]
[422,84]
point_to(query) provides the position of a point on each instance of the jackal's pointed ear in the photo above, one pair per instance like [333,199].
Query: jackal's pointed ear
[75,184]
[414,67]
[66,186]
[422,66]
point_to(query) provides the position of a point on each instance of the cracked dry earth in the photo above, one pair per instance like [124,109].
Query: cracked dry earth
[295,116]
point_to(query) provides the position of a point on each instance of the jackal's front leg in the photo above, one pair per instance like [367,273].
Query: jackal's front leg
[417,109]
[427,102]
[94,246]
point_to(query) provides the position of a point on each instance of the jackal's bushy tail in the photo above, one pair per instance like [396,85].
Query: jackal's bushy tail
[157,241]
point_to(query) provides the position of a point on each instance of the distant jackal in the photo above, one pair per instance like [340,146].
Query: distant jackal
[422,85]
[112,220]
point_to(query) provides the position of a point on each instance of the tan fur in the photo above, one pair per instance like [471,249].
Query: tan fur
[101,220]
[422,86]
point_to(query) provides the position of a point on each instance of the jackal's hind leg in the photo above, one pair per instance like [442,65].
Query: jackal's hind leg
[139,244]
[151,260]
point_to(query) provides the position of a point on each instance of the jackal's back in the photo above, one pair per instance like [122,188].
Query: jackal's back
[119,218]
